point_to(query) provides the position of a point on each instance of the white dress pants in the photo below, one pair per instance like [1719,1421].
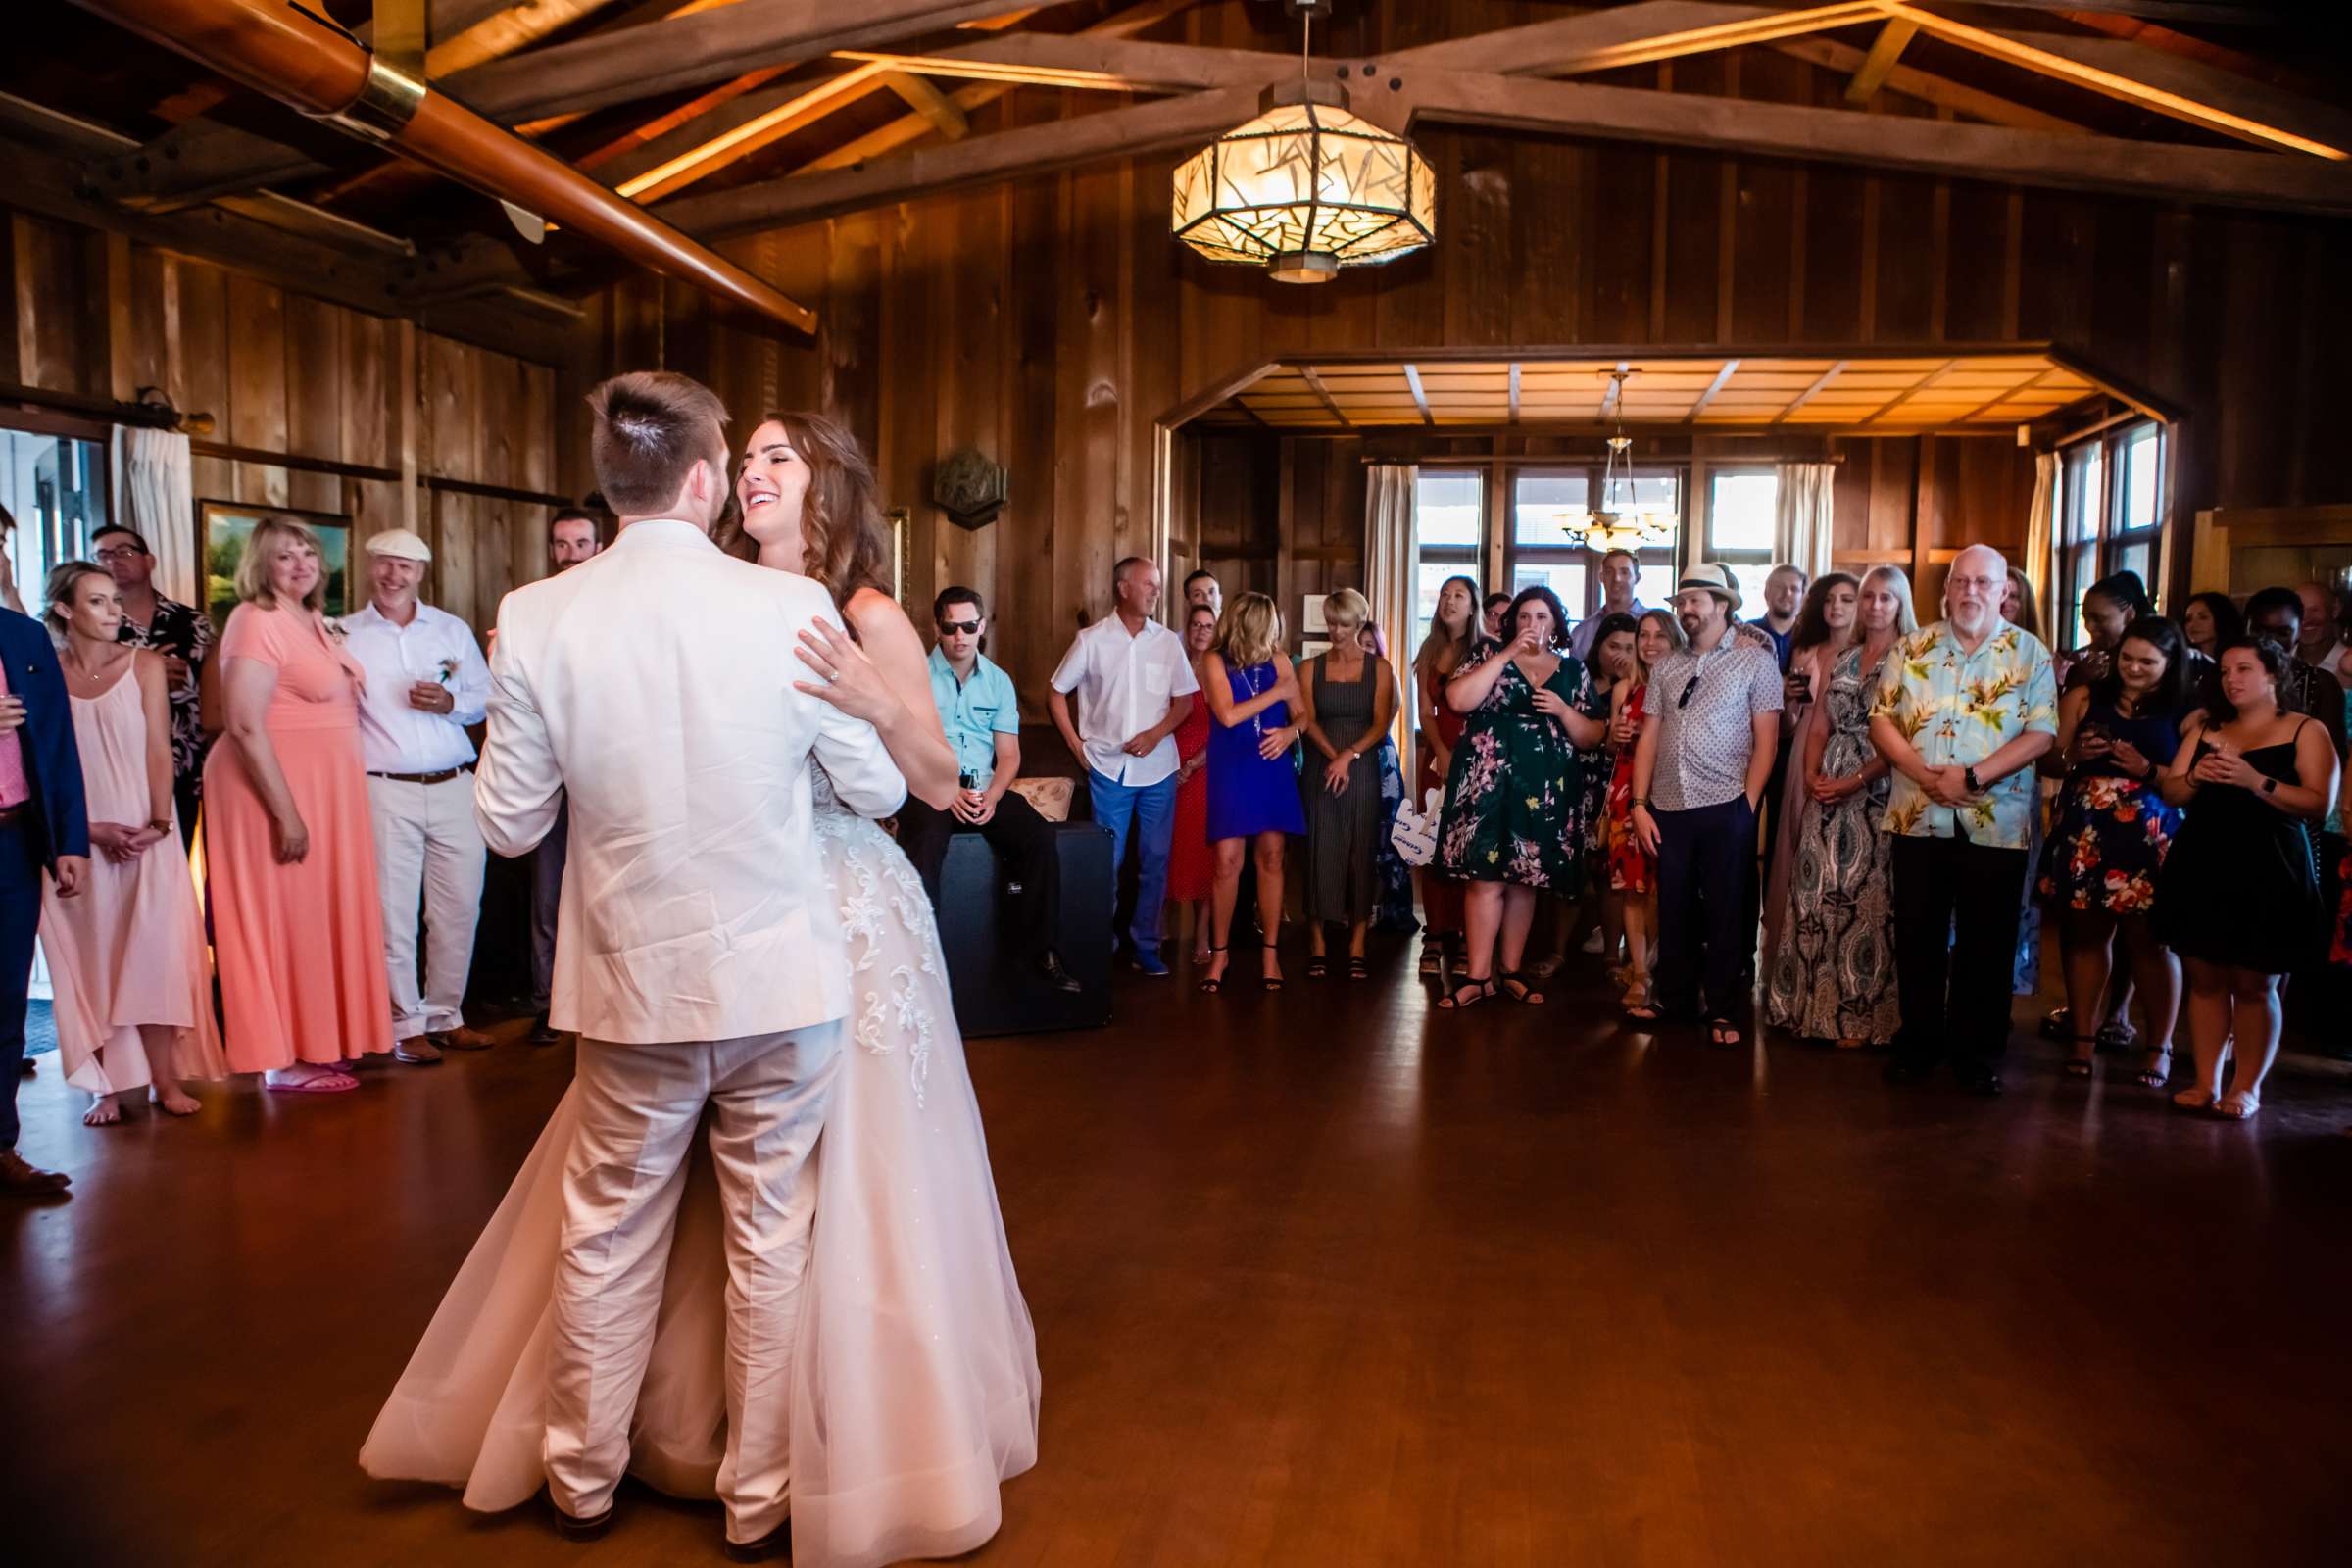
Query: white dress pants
[427,843]
[640,1108]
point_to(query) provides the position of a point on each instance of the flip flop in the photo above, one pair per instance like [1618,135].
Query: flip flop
[327,1083]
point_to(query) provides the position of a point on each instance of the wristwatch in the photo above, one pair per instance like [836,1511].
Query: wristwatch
[1970,775]
[159,824]
[2269,786]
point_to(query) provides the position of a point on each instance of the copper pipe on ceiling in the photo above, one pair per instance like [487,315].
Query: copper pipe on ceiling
[293,57]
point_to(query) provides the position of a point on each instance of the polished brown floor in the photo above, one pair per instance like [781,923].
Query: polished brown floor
[1327,1278]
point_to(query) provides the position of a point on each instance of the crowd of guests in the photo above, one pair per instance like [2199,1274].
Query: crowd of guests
[1880,810]
[1871,813]
[331,762]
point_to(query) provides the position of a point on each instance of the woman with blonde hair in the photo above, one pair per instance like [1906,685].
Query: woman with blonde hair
[298,932]
[1832,976]
[1347,701]
[1253,780]
[127,958]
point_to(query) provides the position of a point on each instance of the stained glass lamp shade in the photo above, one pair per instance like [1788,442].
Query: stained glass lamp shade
[1303,190]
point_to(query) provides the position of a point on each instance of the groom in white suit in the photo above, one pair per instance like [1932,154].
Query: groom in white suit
[699,954]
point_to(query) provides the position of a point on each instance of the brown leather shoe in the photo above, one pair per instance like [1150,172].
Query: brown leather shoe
[417,1050]
[775,1543]
[19,1180]
[464,1038]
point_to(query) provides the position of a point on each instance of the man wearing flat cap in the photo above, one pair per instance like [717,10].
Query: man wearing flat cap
[426,681]
[1699,772]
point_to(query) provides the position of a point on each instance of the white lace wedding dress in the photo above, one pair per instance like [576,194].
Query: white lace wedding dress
[915,1385]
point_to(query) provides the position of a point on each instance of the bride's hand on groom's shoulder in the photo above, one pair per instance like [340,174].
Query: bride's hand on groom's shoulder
[845,677]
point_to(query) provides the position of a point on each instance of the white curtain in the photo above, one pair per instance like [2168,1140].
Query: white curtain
[155,495]
[1802,519]
[2038,540]
[1388,572]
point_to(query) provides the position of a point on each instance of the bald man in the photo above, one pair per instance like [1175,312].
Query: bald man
[1963,794]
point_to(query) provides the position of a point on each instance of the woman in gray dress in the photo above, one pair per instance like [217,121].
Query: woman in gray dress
[1347,699]
[1833,971]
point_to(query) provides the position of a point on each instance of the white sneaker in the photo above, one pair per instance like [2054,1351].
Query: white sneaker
[1593,940]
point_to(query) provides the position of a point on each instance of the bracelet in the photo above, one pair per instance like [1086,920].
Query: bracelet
[1642,801]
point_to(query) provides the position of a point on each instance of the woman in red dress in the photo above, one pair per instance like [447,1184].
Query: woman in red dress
[1192,871]
[1451,632]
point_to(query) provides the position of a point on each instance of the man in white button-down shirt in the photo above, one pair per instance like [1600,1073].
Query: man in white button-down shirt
[425,683]
[1134,686]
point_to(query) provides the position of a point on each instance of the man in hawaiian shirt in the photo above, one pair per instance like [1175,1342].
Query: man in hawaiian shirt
[1964,707]
[184,637]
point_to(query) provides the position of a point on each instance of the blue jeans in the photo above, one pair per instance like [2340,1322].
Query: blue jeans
[20,918]
[1152,810]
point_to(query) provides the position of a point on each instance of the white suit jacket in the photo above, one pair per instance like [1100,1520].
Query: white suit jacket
[652,684]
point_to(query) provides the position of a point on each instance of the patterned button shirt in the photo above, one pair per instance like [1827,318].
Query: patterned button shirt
[180,630]
[1705,707]
[1959,708]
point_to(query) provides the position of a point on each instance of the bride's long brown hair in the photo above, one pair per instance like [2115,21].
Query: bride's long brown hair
[843,544]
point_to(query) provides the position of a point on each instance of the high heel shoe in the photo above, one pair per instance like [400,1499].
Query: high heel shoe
[1271,982]
[1215,983]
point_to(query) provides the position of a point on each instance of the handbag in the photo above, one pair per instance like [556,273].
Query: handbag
[1413,835]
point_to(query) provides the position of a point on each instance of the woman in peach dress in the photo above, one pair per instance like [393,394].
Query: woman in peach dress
[134,994]
[297,929]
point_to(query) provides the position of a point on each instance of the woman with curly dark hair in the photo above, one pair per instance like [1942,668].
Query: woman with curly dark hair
[1513,800]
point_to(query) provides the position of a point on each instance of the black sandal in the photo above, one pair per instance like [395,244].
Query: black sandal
[1477,990]
[1269,982]
[1359,970]
[1215,983]
[1526,995]
[1317,968]
[1718,1027]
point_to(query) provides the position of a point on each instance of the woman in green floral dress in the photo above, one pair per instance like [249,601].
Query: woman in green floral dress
[1514,800]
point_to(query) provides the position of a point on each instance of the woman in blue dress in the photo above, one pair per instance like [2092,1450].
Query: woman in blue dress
[2116,733]
[1252,779]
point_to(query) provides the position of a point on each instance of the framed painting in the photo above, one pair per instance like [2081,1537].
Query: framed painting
[224,528]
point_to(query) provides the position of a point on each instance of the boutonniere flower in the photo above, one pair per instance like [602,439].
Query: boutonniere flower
[449,670]
[337,630]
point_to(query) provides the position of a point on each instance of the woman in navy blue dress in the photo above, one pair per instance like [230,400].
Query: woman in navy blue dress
[1252,779]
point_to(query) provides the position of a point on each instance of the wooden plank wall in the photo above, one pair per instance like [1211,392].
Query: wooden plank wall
[94,314]
[1050,322]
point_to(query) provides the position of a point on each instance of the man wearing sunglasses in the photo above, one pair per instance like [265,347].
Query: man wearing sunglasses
[983,719]
[1699,772]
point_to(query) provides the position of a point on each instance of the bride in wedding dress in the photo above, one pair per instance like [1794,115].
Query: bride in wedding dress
[914,1388]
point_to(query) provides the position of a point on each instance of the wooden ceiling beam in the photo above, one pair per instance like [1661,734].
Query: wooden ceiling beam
[1315,380]
[1792,130]
[1731,367]
[2188,91]
[929,102]
[1630,35]
[1820,384]
[1885,51]
[1941,91]
[1412,380]
[923,170]
[695,49]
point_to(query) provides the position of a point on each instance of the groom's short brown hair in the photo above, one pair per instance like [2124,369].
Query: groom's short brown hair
[652,427]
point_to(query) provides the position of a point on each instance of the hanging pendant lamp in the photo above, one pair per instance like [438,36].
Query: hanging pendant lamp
[1305,188]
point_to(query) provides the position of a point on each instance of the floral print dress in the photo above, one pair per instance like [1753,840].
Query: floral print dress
[2113,831]
[1515,796]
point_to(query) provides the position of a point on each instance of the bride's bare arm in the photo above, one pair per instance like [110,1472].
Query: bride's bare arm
[885,679]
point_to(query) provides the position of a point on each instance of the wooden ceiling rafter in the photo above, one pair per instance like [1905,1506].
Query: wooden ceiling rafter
[1515,382]
[1314,381]
[1886,50]
[1826,380]
[1412,380]
[2131,72]
[1731,367]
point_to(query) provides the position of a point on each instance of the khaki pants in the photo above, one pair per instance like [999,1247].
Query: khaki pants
[427,843]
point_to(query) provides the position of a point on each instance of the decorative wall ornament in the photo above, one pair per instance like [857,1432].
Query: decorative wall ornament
[971,487]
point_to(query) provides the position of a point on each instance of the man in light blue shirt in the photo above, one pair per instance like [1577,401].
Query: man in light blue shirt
[982,717]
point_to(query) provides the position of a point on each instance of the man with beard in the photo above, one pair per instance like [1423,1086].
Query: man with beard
[1964,709]
[1698,775]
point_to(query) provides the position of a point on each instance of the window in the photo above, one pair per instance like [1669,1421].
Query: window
[2110,517]
[1448,516]
[1742,506]
[54,487]
[1542,552]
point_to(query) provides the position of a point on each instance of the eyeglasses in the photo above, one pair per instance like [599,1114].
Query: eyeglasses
[121,553]
[1683,701]
[958,628]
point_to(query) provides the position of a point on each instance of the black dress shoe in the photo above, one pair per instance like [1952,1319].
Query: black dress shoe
[543,1033]
[1901,1072]
[571,1529]
[1059,978]
[775,1543]
[1986,1084]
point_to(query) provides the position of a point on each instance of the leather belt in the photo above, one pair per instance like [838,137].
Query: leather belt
[442,777]
[16,812]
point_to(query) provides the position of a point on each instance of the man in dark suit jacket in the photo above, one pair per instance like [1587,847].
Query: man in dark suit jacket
[43,827]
